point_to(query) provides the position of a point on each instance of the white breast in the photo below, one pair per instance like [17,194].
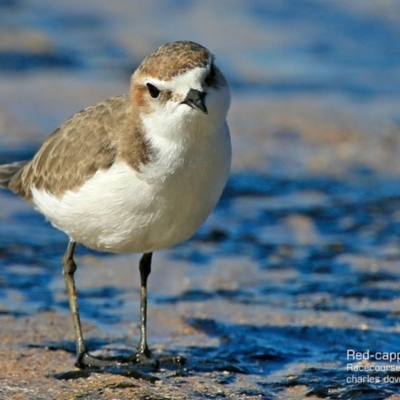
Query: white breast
[121,210]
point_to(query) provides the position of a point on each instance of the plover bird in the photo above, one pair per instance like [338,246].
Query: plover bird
[136,173]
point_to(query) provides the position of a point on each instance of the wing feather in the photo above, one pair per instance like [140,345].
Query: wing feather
[74,152]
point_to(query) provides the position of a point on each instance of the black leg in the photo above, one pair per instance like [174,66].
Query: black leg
[84,359]
[69,268]
[143,352]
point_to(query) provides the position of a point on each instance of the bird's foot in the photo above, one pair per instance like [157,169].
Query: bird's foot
[86,360]
[145,357]
[172,359]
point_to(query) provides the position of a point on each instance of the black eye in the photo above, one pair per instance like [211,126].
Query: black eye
[211,78]
[154,92]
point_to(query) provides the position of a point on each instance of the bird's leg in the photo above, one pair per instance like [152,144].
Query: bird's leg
[69,268]
[142,351]
[84,359]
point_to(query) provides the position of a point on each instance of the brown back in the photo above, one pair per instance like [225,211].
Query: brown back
[89,141]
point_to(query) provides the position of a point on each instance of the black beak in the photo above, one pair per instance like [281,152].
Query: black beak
[195,99]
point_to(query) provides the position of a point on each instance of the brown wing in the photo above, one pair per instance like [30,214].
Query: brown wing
[73,153]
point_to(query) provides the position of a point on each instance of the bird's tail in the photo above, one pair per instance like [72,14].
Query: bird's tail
[7,171]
